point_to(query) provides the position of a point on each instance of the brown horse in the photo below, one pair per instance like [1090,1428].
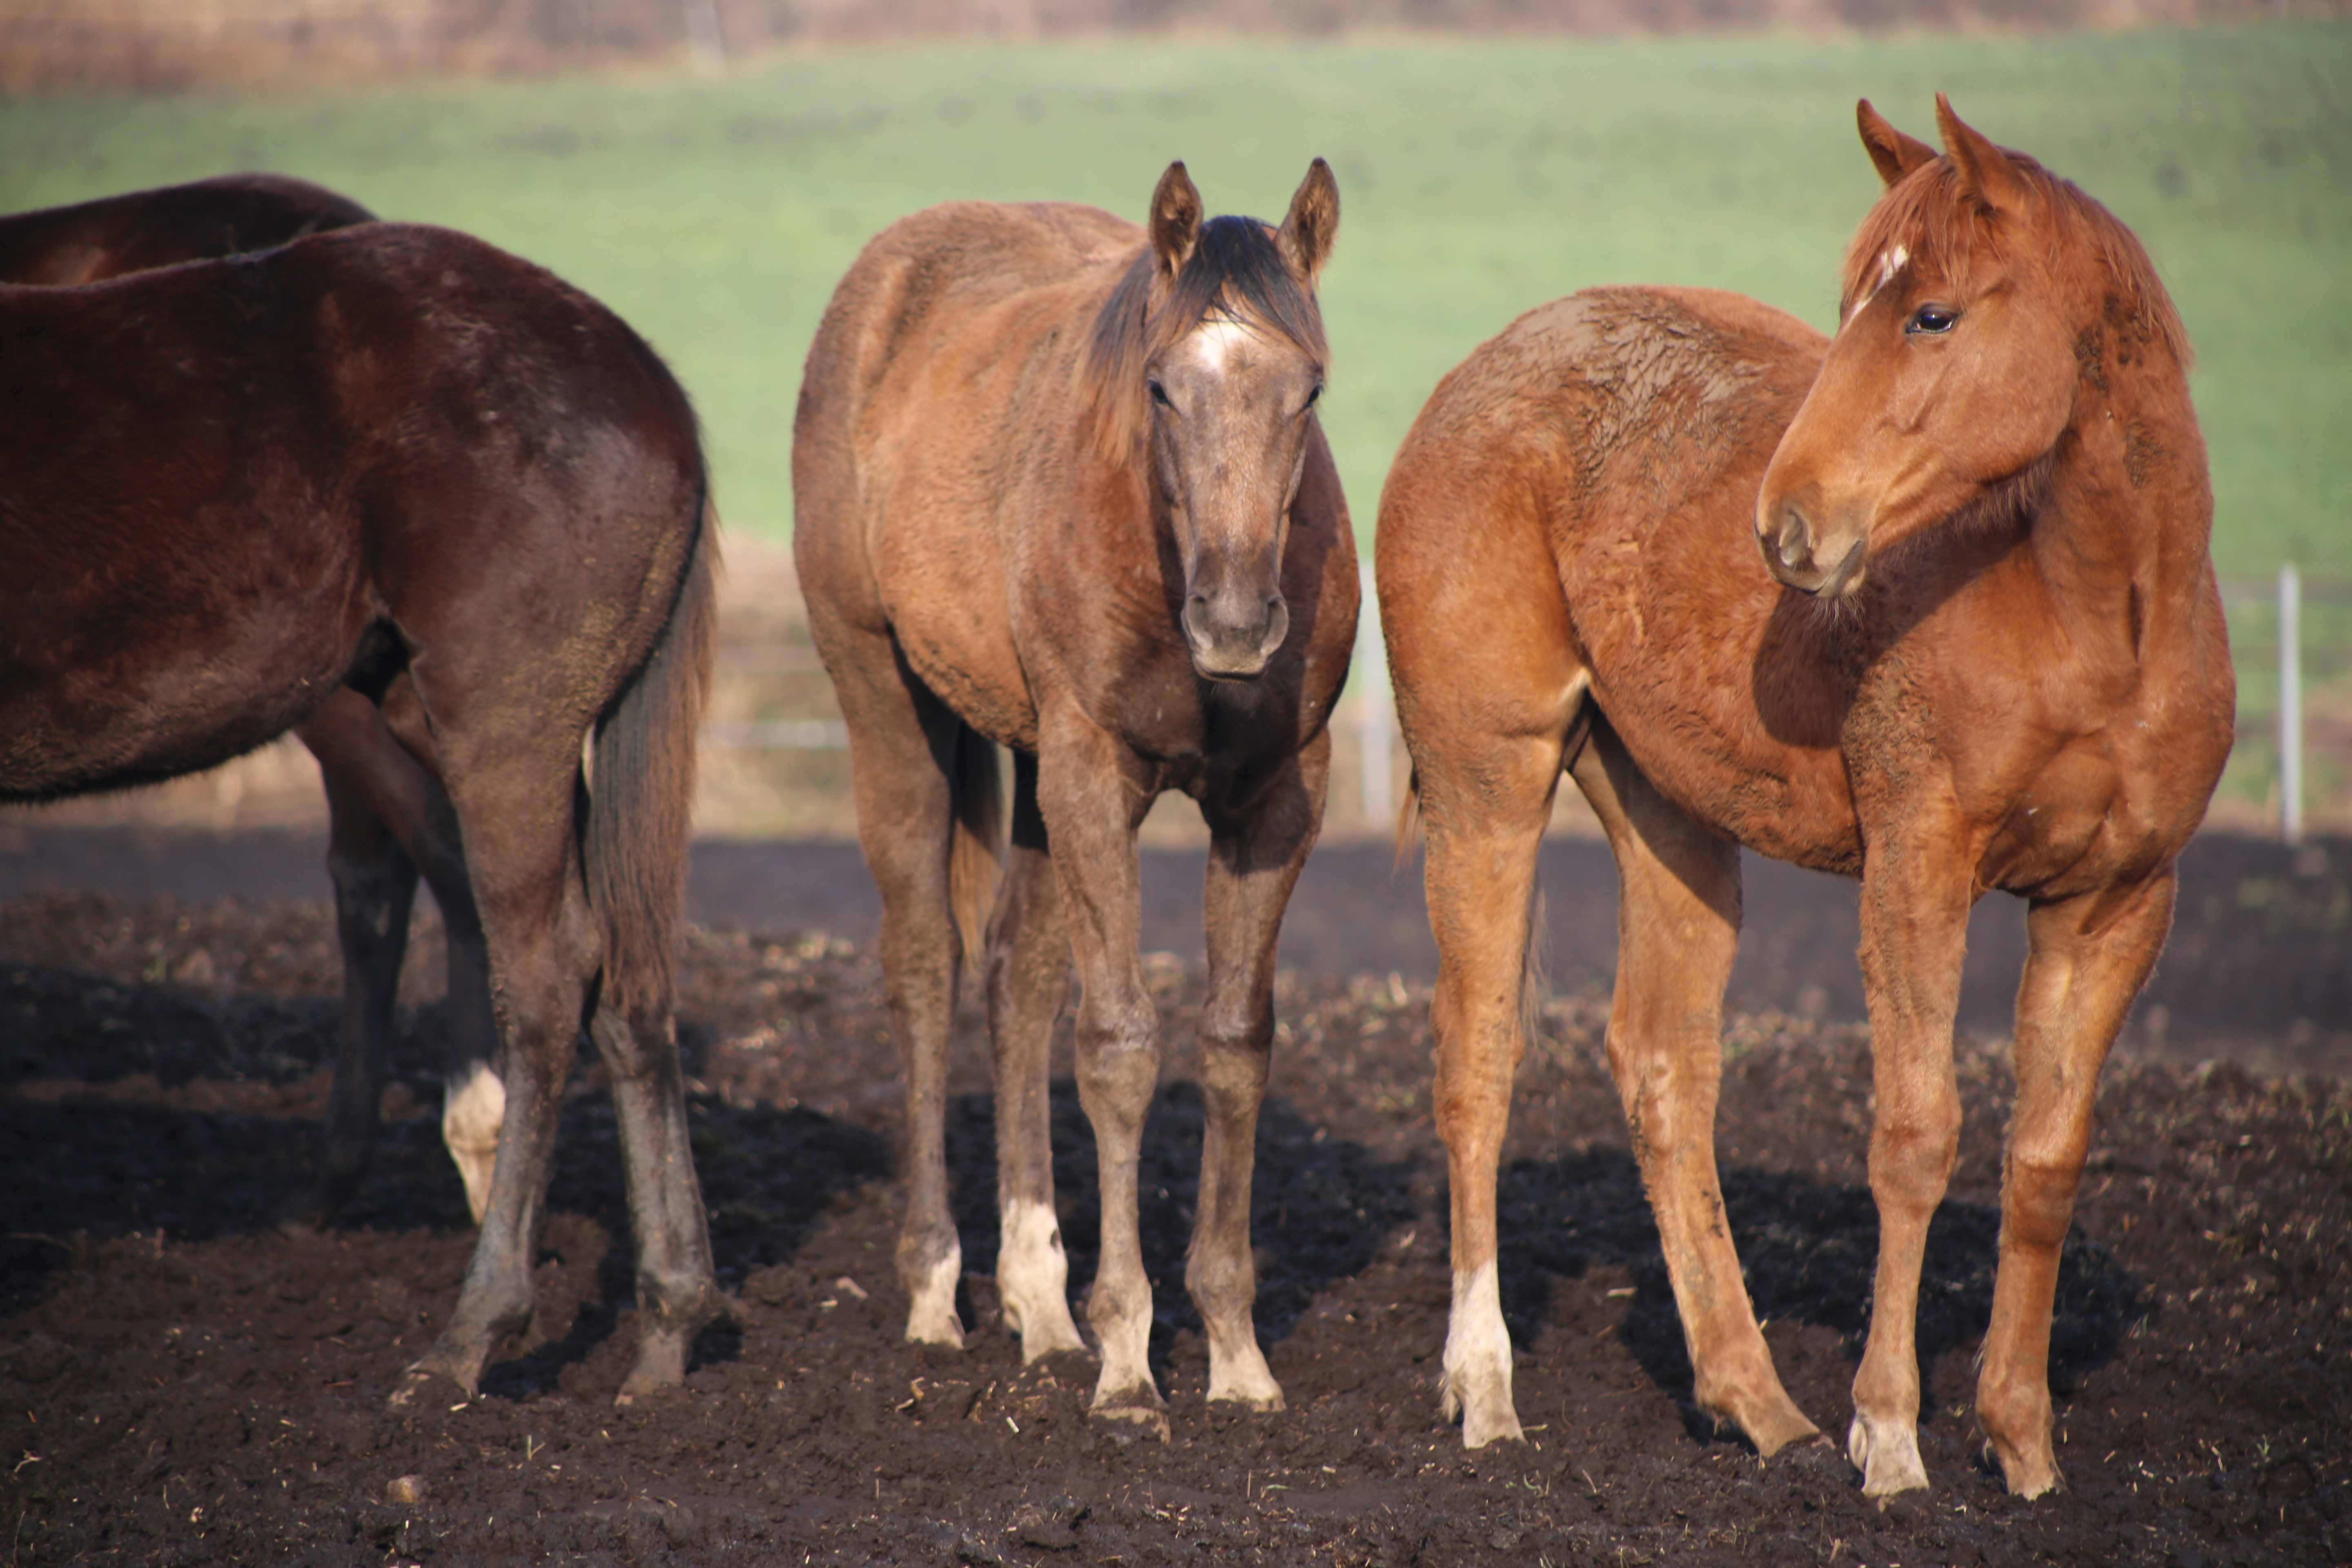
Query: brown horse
[231,489]
[1988,652]
[1060,485]
[388,816]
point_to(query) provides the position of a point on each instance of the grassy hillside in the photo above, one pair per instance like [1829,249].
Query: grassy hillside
[1479,178]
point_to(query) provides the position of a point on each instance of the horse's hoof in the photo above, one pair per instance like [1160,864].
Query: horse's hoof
[947,1332]
[1773,1428]
[2026,1474]
[427,1384]
[1133,1420]
[1253,1386]
[1484,1404]
[311,1210]
[1887,1455]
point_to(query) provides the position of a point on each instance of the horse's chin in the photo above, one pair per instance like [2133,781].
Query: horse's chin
[1233,676]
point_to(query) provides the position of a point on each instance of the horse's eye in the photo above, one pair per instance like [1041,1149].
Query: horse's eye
[1932,318]
[1158,393]
[1314,394]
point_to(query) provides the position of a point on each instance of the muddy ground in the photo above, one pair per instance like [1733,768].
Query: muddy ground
[180,1385]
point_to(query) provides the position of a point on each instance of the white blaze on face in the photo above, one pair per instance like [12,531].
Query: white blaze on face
[1215,342]
[1890,264]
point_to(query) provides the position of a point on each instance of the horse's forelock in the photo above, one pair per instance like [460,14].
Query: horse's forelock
[1928,216]
[1235,271]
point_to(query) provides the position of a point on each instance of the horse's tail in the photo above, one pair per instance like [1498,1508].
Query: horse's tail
[1408,821]
[641,799]
[973,855]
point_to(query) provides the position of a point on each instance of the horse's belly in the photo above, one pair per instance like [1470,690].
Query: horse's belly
[70,727]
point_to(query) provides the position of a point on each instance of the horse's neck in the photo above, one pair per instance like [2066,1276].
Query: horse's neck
[2128,512]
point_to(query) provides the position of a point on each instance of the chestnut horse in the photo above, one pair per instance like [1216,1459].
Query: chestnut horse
[1060,485]
[388,817]
[1983,648]
[232,489]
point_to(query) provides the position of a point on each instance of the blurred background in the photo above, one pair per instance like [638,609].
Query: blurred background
[709,167]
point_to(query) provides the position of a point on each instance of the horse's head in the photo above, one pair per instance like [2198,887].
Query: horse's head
[1960,344]
[1213,349]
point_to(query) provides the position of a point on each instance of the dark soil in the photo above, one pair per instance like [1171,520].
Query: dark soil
[180,1385]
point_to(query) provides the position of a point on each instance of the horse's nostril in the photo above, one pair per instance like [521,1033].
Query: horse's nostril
[1795,545]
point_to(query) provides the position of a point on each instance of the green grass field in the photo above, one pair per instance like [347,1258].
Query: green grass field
[1479,178]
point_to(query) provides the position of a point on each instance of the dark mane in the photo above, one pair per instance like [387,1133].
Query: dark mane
[1235,269]
[1927,214]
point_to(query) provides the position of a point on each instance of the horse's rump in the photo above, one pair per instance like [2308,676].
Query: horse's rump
[215,479]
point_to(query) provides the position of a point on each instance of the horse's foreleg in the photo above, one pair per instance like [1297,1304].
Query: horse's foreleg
[1093,807]
[375,884]
[1253,862]
[1028,981]
[1678,931]
[675,1290]
[2087,958]
[1916,893]
[900,738]
[1485,832]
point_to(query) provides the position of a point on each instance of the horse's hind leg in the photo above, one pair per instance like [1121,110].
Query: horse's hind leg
[1485,826]
[675,1294]
[518,802]
[2088,957]
[1678,930]
[1253,862]
[901,741]
[1028,981]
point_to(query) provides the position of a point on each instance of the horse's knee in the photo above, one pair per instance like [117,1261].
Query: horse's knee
[2038,1198]
[1912,1154]
[1119,1059]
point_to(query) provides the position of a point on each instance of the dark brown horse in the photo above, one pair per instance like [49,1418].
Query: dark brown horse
[1060,485]
[231,489]
[388,817]
[1983,649]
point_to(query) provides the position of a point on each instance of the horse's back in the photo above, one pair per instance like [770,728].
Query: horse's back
[229,214]
[931,275]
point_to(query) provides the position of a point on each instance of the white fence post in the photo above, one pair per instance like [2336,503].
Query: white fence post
[1375,708]
[2289,611]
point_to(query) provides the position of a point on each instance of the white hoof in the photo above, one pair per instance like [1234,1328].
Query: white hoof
[1033,1278]
[932,1312]
[1887,1455]
[1478,1362]
[1240,1377]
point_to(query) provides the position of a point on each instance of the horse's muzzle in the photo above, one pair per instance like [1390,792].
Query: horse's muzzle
[1795,556]
[1233,641]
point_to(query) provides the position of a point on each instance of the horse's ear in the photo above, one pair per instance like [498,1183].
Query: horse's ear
[1895,153]
[1986,172]
[1313,222]
[1175,219]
